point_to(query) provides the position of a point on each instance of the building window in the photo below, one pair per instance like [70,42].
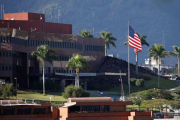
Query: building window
[91,108]
[74,109]
[9,111]
[39,110]
[75,45]
[9,68]
[25,111]
[2,68]
[105,108]
[6,68]
[6,54]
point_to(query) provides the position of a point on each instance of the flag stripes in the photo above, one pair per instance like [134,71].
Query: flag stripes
[134,40]
[6,46]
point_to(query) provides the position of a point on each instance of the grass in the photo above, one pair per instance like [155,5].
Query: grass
[153,83]
[39,97]
[93,95]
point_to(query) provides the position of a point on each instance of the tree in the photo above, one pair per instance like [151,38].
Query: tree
[137,100]
[72,91]
[143,42]
[156,103]
[107,36]
[77,62]
[176,53]
[43,54]
[157,52]
[140,83]
[86,33]
[8,90]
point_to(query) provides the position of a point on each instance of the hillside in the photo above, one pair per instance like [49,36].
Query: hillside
[112,83]
[157,19]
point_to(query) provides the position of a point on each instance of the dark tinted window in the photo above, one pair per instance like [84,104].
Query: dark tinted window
[9,111]
[91,108]
[39,110]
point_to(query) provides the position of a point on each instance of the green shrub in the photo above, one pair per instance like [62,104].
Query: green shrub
[140,83]
[72,91]
[7,90]
[133,81]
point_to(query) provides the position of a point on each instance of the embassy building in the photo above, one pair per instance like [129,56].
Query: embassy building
[21,33]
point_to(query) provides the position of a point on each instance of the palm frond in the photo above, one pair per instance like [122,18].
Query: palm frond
[158,51]
[77,61]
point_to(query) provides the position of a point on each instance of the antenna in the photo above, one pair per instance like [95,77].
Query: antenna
[51,13]
[93,21]
[3,11]
[59,14]
[163,39]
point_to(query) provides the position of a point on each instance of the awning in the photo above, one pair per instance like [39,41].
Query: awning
[89,74]
[69,105]
[20,104]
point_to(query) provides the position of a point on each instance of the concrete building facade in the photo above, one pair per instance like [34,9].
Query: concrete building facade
[17,45]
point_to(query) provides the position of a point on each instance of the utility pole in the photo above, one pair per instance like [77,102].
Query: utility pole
[16,87]
[122,91]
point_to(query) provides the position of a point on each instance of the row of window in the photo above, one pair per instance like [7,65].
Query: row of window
[64,71]
[60,58]
[52,44]
[24,111]
[10,54]
[7,68]
[94,48]
[104,108]
[18,41]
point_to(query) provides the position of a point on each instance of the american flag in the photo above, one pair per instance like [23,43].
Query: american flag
[6,46]
[134,40]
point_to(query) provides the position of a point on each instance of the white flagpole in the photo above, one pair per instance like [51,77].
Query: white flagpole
[128,61]
[137,63]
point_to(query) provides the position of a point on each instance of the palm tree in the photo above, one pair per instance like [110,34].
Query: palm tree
[158,51]
[42,54]
[86,33]
[176,53]
[77,62]
[107,36]
[143,42]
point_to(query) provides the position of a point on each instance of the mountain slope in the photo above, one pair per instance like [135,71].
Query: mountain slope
[157,19]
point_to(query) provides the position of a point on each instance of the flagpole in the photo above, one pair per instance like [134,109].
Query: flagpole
[128,61]
[137,63]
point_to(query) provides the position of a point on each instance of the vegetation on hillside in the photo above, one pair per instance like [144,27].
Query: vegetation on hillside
[165,84]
